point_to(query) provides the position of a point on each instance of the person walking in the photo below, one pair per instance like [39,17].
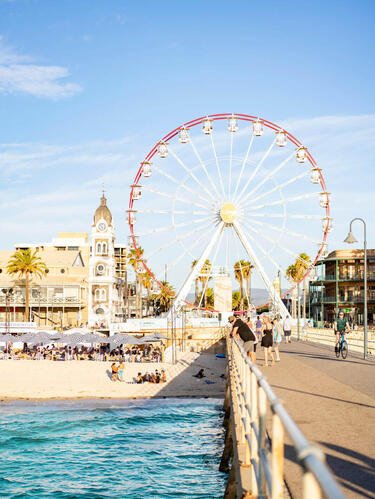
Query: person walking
[250,324]
[267,340]
[287,327]
[277,337]
[258,328]
[242,331]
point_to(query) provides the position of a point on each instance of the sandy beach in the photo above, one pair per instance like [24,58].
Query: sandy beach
[44,379]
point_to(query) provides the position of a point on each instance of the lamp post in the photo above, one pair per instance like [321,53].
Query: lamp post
[350,239]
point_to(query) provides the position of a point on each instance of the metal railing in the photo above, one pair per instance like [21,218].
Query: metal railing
[251,398]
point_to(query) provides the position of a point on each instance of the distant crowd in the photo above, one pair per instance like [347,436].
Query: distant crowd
[148,353]
[118,374]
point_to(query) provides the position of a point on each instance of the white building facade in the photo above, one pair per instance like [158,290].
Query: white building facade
[105,288]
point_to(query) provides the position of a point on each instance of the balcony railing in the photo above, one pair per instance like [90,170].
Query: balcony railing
[345,277]
[34,302]
[342,299]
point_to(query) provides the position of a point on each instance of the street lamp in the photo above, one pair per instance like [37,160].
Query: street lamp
[350,239]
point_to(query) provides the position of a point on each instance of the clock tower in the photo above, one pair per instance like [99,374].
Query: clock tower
[104,285]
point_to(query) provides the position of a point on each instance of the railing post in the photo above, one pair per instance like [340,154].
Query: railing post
[310,487]
[254,441]
[262,408]
[277,458]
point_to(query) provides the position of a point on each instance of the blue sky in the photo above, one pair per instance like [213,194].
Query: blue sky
[87,87]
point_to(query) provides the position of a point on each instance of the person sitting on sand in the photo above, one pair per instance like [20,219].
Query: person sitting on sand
[157,376]
[200,374]
[139,379]
[121,368]
[152,378]
[114,371]
[146,377]
[163,376]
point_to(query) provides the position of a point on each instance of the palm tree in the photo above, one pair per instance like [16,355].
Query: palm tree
[210,299]
[205,276]
[133,261]
[196,301]
[147,281]
[303,263]
[239,275]
[25,263]
[165,296]
[295,273]
[292,275]
[246,271]
[235,300]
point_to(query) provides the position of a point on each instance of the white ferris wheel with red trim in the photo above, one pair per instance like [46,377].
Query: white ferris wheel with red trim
[226,187]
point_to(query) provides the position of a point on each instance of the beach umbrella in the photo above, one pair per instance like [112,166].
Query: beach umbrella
[94,338]
[124,339]
[7,338]
[155,337]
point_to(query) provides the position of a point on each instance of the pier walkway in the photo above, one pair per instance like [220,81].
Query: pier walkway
[333,403]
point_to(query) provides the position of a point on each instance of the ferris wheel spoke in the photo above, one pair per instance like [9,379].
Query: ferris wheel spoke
[286,231]
[281,215]
[243,166]
[178,239]
[284,200]
[262,250]
[203,166]
[280,186]
[191,173]
[173,226]
[174,196]
[217,164]
[270,175]
[192,246]
[209,276]
[281,246]
[174,212]
[230,167]
[265,156]
[179,183]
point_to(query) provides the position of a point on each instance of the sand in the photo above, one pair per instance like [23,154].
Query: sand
[44,379]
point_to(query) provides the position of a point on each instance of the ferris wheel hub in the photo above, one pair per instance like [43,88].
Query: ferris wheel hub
[228,213]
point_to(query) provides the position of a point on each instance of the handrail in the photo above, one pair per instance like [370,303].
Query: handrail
[250,396]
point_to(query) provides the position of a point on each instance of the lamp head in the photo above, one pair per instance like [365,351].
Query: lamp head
[350,239]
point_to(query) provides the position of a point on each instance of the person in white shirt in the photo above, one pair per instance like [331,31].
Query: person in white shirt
[287,326]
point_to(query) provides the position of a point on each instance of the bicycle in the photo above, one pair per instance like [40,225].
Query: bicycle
[342,347]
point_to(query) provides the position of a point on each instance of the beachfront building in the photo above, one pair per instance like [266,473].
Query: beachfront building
[340,286]
[106,288]
[83,279]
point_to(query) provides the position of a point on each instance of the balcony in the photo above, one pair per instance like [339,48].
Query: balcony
[342,300]
[345,277]
[19,300]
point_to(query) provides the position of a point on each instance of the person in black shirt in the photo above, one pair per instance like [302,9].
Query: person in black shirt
[241,330]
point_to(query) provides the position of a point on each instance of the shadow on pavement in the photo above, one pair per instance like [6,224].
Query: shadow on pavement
[325,357]
[323,396]
[354,470]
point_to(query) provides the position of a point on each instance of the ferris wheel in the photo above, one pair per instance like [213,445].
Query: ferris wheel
[225,188]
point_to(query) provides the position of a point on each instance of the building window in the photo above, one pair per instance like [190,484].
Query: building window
[72,248]
[100,294]
[104,248]
[99,311]
[99,248]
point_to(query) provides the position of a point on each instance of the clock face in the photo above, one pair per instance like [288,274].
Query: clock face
[102,226]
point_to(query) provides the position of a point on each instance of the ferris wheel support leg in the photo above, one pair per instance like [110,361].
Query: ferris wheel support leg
[185,288]
[282,310]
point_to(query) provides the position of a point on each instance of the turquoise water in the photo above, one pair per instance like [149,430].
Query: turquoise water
[134,449]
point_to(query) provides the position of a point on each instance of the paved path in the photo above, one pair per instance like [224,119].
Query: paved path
[333,402]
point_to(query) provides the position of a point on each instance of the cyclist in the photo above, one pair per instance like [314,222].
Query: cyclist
[340,326]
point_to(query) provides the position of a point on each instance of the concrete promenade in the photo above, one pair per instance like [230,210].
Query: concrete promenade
[333,402]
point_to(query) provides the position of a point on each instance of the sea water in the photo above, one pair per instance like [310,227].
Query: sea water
[115,449]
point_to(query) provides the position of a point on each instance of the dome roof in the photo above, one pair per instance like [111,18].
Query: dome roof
[103,212]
